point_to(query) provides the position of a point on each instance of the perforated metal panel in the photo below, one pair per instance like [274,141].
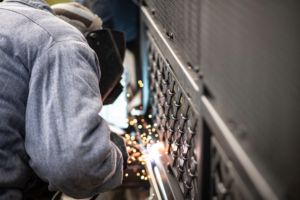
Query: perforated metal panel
[176,120]
[181,20]
[250,59]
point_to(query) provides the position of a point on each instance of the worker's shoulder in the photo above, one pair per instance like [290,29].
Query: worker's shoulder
[38,26]
[27,33]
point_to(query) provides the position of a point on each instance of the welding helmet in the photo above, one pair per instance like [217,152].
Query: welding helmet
[109,45]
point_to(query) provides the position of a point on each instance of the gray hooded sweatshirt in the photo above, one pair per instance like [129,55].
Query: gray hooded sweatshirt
[49,105]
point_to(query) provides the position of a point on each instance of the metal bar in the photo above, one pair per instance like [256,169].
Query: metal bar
[152,180]
[170,181]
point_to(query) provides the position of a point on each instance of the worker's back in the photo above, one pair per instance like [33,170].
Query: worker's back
[35,90]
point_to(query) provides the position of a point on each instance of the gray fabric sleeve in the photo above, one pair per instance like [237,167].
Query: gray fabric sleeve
[67,141]
[119,142]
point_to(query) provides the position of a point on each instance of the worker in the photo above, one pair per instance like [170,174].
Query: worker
[50,129]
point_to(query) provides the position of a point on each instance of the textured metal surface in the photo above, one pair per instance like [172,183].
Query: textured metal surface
[250,59]
[187,77]
[181,20]
[177,121]
[249,54]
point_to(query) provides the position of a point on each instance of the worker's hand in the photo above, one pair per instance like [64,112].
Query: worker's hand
[119,142]
[134,151]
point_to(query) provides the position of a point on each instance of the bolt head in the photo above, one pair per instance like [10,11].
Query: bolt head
[153,11]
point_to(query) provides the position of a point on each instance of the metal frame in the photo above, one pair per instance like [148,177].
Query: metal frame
[257,186]
[241,168]
[188,78]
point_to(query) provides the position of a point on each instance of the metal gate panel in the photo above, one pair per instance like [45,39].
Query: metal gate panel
[250,59]
[181,22]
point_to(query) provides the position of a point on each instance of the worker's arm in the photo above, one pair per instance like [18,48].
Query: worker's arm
[67,141]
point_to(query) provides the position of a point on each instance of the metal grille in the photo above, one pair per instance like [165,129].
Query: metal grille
[180,19]
[176,121]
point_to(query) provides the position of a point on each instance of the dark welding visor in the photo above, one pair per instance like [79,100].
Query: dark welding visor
[110,47]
